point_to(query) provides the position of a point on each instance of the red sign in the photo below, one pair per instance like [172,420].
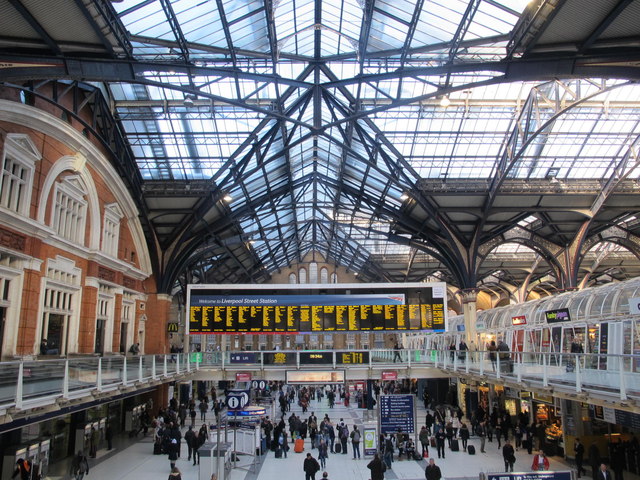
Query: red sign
[243,377]
[389,375]
[519,320]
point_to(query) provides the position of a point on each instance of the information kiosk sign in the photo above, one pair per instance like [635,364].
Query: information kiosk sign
[397,412]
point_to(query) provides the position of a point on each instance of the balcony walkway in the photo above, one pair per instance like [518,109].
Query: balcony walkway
[612,379]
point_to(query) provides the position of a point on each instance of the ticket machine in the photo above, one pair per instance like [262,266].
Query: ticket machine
[83,438]
[45,453]
[12,454]
[33,455]
[102,432]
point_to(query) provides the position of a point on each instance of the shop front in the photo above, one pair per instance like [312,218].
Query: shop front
[548,424]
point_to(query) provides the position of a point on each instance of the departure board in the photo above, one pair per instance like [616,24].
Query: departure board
[211,312]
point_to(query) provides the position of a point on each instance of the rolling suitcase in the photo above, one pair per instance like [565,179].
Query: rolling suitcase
[337,448]
[432,442]
[299,445]
[471,449]
[278,452]
[455,445]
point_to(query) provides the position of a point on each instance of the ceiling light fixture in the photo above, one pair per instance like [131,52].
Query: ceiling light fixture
[444,101]
[404,197]
[227,198]
[188,100]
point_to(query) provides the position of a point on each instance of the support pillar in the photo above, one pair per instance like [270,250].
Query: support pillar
[469,304]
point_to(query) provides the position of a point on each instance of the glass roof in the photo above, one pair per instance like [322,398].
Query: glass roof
[316,115]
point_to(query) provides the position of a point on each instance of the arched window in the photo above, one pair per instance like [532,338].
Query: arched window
[70,209]
[324,275]
[313,272]
[292,278]
[303,275]
[334,278]
[111,229]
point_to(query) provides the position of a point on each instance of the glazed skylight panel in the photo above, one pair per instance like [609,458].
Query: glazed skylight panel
[200,23]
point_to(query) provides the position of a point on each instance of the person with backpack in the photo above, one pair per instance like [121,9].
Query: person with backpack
[344,438]
[79,466]
[355,442]
[377,468]
[310,467]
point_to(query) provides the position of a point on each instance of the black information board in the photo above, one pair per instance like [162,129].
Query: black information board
[316,318]
[316,358]
[628,419]
[352,358]
[397,413]
[286,309]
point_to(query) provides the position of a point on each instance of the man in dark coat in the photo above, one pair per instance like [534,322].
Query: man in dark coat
[310,467]
[578,450]
[432,472]
[440,438]
[377,468]
[191,438]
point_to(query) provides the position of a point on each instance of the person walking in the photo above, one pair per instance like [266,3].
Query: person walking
[377,468]
[396,353]
[482,433]
[388,452]
[603,473]
[578,452]
[175,474]
[492,348]
[310,467]
[284,443]
[191,438]
[355,442]
[432,472]
[424,441]
[173,452]
[540,462]
[440,438]
[464,436]
[508,455]
[79,466]
[323,454]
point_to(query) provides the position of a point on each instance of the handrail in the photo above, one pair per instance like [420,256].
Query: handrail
[27,384]
[40,382]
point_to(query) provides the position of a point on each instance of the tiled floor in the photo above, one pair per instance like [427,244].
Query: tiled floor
[137,462]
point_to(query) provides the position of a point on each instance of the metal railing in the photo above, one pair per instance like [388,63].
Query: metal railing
[29,384]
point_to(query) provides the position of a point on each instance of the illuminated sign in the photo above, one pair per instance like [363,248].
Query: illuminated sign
[355,358]
[559,315]
[519,320]
[245,309]
[173,327]
[315,376]
[316,358]
[389,375]
[243,377]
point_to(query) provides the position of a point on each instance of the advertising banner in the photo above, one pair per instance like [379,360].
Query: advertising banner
[370,441]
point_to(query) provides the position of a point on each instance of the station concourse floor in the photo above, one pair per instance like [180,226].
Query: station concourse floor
[135,460]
